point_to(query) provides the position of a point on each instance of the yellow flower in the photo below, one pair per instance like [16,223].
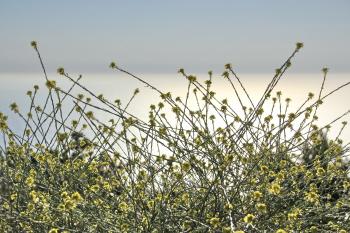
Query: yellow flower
[34,196]
[320,171]
[53,230]
[123,206]
[261,207]
[228,206]
[76,197]
[257,195]
[64,195]
[30,181]
[51,84]
[311,197]
[275,189]
[214,222]
[226,230]
[248,218]
[186,166]
[94,188]
[281,231]
[13,196]
[238,231]
[69,204]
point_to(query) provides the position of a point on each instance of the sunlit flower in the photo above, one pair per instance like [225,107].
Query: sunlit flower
[275,189]
[248,218]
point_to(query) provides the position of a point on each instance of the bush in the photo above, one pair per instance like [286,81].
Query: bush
[202,168]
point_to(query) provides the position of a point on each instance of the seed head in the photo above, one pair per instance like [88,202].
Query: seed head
[299,45]
[60,70]
[113,65]
[325,70]
[34,44]
[181,71]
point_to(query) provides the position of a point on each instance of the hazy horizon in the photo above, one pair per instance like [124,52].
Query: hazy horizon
[118,86]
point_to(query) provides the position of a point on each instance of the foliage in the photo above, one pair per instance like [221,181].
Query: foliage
[206,168]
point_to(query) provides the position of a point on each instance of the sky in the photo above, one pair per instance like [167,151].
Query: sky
[160,36]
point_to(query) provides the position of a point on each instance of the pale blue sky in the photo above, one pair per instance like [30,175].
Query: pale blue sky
[162,35]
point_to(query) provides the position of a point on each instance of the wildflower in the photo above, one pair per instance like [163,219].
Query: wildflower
[95,188]
[51,84]
[60,70]
[248,218]
[225,74]
[275,189]
[30,181]
[214,222]
[311,197]
[13,196]
[112,65]
[123,206]
[239,231]
[313,229]
[14,107]
[325,70]
[192,78]
[90,115]
[76,197]
[226,230]
[53,230]
[69,204]
[186,166]
[257,194]
[281,231]
[299,45]
[320,171]
[346,185]
[181,71]
[228,206]
[261,207]
[34,197]
[288,64]
[34,44]
[264,168]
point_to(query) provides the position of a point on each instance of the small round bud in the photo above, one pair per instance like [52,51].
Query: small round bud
[288,64]
[34,44]
[60,70]
[325,70]
[228,66]
[299,45]
[113,65]
[225,74]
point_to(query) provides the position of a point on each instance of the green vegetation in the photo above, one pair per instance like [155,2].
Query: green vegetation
[206,168]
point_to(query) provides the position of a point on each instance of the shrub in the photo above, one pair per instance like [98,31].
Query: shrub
[202,168]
